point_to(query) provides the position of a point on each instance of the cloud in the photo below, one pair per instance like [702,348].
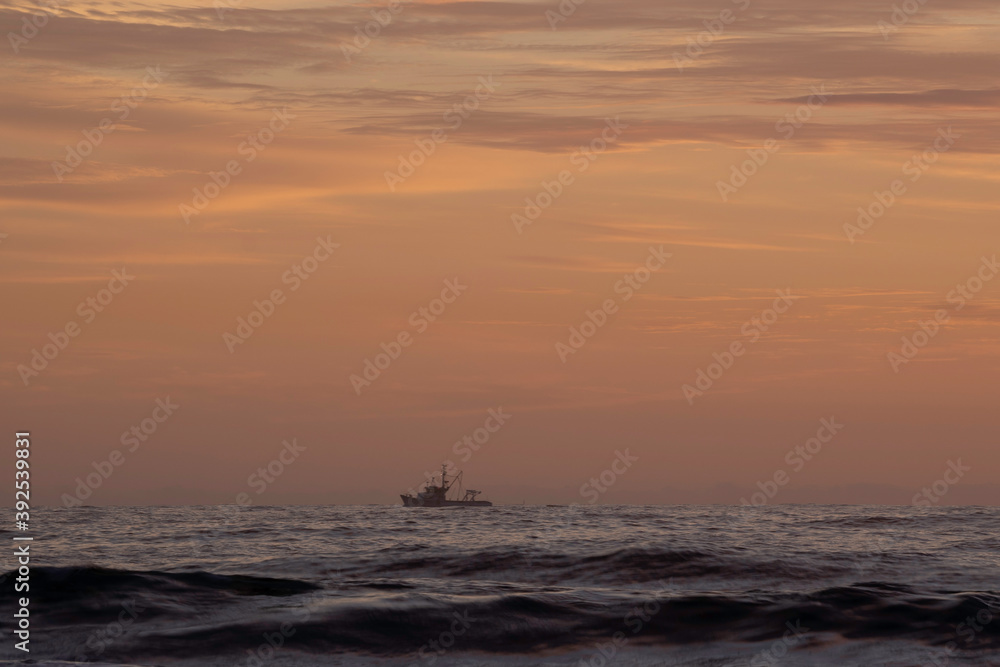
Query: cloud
[930,98]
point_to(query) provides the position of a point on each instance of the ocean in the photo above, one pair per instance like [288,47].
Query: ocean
[586,586]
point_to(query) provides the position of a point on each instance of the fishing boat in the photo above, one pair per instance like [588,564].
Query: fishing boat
[436,495]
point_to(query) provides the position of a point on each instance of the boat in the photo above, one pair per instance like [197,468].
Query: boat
[436,495]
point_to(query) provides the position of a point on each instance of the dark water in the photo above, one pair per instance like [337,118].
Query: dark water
[786,585]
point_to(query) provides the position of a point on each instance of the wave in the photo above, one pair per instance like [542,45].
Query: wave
[96,594]
[393,620]
[618,566]
[530,623]
[869,521]
[69,582]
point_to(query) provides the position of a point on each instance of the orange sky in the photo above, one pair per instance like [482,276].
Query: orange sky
[634,130]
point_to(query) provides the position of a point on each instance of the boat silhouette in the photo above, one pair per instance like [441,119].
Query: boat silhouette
[436,495]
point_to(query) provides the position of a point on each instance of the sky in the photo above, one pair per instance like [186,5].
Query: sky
[640,251]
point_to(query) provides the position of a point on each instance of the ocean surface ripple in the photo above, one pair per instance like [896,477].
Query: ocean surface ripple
[514,585]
